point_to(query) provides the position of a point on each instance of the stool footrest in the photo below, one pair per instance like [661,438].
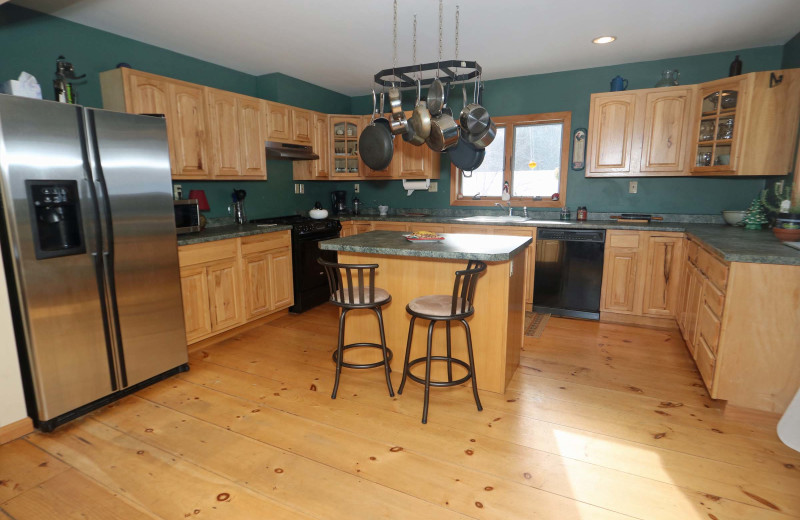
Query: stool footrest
[440,383]
[378,346]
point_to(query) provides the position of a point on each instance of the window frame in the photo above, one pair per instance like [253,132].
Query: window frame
[510,122]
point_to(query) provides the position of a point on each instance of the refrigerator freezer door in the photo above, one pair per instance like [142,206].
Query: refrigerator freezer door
[58,297]
[135,195]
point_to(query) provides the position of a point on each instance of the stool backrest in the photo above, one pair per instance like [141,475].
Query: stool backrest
[339,272]
[464,286]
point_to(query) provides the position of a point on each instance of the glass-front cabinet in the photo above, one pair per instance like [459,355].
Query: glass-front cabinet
[344,146]
[718,133]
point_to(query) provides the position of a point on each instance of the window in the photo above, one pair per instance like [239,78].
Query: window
[529,153]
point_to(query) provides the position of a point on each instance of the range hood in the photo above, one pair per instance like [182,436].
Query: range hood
[289,152]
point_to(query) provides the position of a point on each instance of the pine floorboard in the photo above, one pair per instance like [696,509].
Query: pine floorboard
[600,421]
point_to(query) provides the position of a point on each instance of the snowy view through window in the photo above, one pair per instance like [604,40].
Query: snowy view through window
[536,163]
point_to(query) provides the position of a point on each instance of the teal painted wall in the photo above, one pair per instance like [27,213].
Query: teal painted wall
[791,53]
[31,41]
[292,91]
[570,91]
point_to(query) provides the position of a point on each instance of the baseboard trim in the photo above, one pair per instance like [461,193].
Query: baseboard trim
[642,321]
[15,430]
[226,334]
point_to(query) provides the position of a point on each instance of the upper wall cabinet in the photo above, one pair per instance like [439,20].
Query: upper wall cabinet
[641,132]
[212,134]
[320,142]
[745,125]
[287,124]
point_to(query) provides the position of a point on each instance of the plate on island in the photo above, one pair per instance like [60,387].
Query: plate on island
[424,236]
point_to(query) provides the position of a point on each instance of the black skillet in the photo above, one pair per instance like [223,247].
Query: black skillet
[375,142]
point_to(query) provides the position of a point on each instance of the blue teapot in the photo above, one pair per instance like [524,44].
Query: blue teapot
[618,84]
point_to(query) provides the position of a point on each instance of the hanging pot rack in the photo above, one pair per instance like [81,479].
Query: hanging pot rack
[401,76]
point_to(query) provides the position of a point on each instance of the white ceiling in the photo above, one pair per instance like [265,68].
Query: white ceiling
[341,44]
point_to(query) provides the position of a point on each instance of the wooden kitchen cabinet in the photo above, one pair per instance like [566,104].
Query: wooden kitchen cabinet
[389,226]
[530,255]
[344,132]
[278,122]
[639,133]
[641,277]
[267,267]
[355,227]
[251,136]
[302,125]
[225,133]
[746,125]
[318,169]
[227,283]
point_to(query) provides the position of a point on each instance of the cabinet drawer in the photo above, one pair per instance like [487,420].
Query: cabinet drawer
[714,269]
[208,252]
[691,251]
[622,239]
[708,325]
[705,363]
[259,243]
[713,298]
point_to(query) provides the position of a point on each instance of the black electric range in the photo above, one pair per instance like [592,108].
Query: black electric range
[308,277]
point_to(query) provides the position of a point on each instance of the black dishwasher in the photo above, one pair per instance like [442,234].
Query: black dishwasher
[569,272]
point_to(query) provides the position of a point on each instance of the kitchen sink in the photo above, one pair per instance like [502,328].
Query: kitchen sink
[494,218]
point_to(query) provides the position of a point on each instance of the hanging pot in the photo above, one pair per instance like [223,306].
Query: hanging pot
[444,131]
[484,138]
[474,118]
[436,97]
[420,121]
[375,142]
[399,123]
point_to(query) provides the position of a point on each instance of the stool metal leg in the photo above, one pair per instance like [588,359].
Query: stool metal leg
[472,366]
[385,354]
[408,354]
[339,353]
[428,373]
[449,354]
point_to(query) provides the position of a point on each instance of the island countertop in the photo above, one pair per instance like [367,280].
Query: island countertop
[455,246]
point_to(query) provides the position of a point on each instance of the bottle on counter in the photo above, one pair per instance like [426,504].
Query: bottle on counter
[582,213]
[356,206]
[565,214]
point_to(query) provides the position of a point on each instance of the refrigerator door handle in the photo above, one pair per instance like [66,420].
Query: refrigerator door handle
[98,266]
[107,241]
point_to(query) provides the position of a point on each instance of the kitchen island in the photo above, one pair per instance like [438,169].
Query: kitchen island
[409,270]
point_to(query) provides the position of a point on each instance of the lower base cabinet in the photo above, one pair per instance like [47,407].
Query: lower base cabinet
[229,282]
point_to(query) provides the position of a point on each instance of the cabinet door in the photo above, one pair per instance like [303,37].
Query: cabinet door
[693,299]
[148,95]
[719,117]
[189,138]
[278,122]
[281,278]
[622,272]
[411,161]
[302,125]
[254,160]
[196,315]
[361,227]
[345,131]
[390,226]
[257,296]
[666,123]
[225,138]
[321,146]
[662,280]
[611,132]
[469,228]
[223,290]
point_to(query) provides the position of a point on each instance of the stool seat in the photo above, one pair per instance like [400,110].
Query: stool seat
[343,297]
[438,305]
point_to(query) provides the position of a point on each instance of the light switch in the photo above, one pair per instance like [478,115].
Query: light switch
[434,187]
[356,188]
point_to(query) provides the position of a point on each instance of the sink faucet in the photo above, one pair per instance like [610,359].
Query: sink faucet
[510,209]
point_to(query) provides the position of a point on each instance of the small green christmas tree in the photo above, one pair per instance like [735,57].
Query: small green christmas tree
[755,217]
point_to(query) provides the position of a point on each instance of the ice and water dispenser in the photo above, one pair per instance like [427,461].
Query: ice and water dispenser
[56,221]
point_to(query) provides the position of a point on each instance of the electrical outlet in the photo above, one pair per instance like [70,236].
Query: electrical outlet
[434,187]
[302,189]
[633,187]
[296,188]
[177,191]
[357,188]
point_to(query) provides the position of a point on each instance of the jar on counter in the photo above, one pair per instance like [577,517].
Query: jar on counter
[565,214]
[582,213]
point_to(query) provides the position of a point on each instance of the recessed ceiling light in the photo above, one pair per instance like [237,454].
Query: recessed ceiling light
[604,39]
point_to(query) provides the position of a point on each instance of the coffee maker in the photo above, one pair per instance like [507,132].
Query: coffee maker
[339,201]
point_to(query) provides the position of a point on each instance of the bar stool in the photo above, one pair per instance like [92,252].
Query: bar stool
[447,308]
[357,296]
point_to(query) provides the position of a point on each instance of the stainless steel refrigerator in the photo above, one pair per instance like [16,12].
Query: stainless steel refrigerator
[88,234]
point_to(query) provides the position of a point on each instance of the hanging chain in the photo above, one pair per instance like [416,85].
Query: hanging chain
[457,16]
[441,10]
[394,42]
[414,45]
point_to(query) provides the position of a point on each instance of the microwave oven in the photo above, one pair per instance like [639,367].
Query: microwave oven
[187,216]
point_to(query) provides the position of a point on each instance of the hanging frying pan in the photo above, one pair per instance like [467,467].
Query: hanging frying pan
[375,142]
[420,120]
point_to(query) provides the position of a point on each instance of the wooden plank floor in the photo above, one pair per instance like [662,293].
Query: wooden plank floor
[600,421]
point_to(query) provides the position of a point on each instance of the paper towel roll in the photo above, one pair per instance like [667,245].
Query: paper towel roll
[410,186]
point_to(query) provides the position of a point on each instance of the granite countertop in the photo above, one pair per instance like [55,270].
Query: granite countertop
[211,234]
[489,248]
[732,244]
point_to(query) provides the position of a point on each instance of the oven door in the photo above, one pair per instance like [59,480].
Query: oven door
[308,274]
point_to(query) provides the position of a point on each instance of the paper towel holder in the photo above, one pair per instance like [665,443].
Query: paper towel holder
[411,186]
